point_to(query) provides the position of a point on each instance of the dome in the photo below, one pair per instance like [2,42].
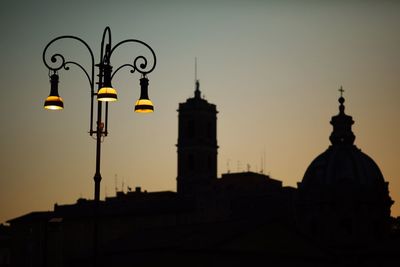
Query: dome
[343,165]
[342,162]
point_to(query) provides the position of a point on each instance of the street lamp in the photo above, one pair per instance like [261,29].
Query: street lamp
[105,91]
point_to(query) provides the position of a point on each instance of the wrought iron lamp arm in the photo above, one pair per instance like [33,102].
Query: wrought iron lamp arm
[54,58]
[82,68]
[58,62]
[123,66]
[141,68]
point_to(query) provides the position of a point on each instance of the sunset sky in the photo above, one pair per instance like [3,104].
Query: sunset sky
[273,68]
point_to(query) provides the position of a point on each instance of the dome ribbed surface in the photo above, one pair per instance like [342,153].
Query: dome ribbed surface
[343,165]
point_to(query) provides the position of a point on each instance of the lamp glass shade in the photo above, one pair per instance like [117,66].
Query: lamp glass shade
[53,103]
[107,94]
[144,106]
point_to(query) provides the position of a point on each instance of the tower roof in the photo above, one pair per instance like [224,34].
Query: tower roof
[197,102]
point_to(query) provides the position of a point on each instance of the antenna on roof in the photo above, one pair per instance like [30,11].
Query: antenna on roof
[262,166]
[116,183]
[197,93]
[195,69]
[227,166]
[122,184]
[263,160]
[239,166]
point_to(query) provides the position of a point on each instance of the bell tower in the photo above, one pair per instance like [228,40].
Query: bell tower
[197,144]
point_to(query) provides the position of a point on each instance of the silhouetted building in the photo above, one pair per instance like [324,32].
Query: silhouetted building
[29,243]
[5,246]
[343,199]
[197,144]
[240,219]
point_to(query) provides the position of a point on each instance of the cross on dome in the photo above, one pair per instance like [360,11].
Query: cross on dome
[341,90]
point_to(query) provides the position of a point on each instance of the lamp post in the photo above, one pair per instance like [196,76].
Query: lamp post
[105,92]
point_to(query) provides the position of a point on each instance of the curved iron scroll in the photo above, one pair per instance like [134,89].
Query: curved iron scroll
[123,66]
[58,61]
[140,62]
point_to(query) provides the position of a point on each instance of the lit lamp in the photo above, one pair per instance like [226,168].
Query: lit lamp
[54,101]
[144,104]
[107,92]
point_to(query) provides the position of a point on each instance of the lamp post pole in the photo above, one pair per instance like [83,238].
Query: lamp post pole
[105,93]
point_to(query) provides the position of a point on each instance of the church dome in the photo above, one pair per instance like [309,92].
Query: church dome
[343,162]
[343,165]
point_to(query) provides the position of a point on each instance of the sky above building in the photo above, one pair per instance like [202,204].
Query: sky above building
[273,68]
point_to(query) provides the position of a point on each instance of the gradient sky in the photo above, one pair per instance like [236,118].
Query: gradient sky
[272,68]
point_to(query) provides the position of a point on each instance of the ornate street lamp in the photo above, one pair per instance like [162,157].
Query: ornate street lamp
[105,91]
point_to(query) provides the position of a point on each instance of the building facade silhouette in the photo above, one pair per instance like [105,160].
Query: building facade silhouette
[240,219]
